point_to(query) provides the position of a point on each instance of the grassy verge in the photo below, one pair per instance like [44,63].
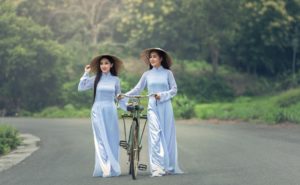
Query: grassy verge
[183,108]
[284,107]
[68,111]
[9,139]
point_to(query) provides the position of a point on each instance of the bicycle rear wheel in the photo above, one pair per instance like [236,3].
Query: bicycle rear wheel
[134,153]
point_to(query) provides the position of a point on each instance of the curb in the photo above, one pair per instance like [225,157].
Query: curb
[30,144]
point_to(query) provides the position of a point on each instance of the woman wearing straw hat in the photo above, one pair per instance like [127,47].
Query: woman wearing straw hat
[106,86]
[162,137]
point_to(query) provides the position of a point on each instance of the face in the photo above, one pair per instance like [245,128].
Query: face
[155,59]
[105,65]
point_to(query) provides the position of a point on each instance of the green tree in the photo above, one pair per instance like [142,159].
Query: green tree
[190,28]
[85,27]
[31,64]
[88,20]
[264,45]
[217,28]
[145,24]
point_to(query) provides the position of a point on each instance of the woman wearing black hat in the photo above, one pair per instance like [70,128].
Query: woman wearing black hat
[162,136]
[104,116]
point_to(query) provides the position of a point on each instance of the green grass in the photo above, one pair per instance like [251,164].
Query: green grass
[68,111]
[182,106]
[284,107]
[9,139]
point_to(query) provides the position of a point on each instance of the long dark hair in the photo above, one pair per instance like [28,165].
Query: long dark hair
[162,55]
[113,71]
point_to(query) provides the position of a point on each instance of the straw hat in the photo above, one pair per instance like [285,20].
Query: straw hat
[118,64]
[146,54]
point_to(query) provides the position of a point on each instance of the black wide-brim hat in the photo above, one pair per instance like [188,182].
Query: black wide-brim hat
[145,54]
[95,63]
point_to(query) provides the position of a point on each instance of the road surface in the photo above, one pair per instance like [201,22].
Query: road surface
[209,154]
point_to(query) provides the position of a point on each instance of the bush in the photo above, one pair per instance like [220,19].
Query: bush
[183,107]
[9,139]
[205,88]
[68,111]
[274,109]
[292,113]
[70,95]
[288,98]
[25,113]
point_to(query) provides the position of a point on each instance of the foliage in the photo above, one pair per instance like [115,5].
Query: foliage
[67,111]
[91,20]
[142,21]
[288,98]
[70,95]
[272,109]
[195,80]
[9,139]
[31,63]
[250,48]
[183,107]
[268,37]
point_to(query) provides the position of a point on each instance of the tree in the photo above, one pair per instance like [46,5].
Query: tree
[31,64]
[267,30]
[190,28]
[92,20]
[217,31]
[145,24]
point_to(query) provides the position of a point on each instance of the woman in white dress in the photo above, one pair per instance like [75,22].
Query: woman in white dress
[160,81]
[104,117]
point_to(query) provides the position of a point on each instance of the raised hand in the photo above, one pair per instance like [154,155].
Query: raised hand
[87,68]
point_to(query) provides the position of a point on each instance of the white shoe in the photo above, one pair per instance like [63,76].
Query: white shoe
[158,173]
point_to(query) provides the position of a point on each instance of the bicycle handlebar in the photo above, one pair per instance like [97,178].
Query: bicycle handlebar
[137,96]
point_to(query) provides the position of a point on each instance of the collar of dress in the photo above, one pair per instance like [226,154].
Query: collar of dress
[106,74]
[157,69]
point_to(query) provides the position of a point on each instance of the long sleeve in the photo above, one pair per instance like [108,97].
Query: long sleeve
[167,95]
[122,103]
[117,87]
[86,82]
[140,86]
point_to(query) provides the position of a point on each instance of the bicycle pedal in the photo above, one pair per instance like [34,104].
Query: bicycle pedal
[142,167]
[143,116]
[123,144]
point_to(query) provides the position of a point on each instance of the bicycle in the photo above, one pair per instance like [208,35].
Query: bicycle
[133,144]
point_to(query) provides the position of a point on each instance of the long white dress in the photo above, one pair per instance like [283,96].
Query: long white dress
[161,127]
[104,123]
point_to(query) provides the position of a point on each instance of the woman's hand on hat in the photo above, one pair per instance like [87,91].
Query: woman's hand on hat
[87,68]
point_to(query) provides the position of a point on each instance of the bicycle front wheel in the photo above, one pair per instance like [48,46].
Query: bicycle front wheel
[134,153]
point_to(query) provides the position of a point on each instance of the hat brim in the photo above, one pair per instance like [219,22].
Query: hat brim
[118,63]
[145,54]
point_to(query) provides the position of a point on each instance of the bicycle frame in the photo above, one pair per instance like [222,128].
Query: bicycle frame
[135,136]
[135,117]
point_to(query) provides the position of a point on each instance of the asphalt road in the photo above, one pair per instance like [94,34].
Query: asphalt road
[209,154]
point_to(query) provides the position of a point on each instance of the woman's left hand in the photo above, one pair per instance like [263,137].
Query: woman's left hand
[157,96]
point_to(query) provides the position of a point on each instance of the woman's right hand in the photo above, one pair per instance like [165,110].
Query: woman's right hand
[120,96]
[87,68]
